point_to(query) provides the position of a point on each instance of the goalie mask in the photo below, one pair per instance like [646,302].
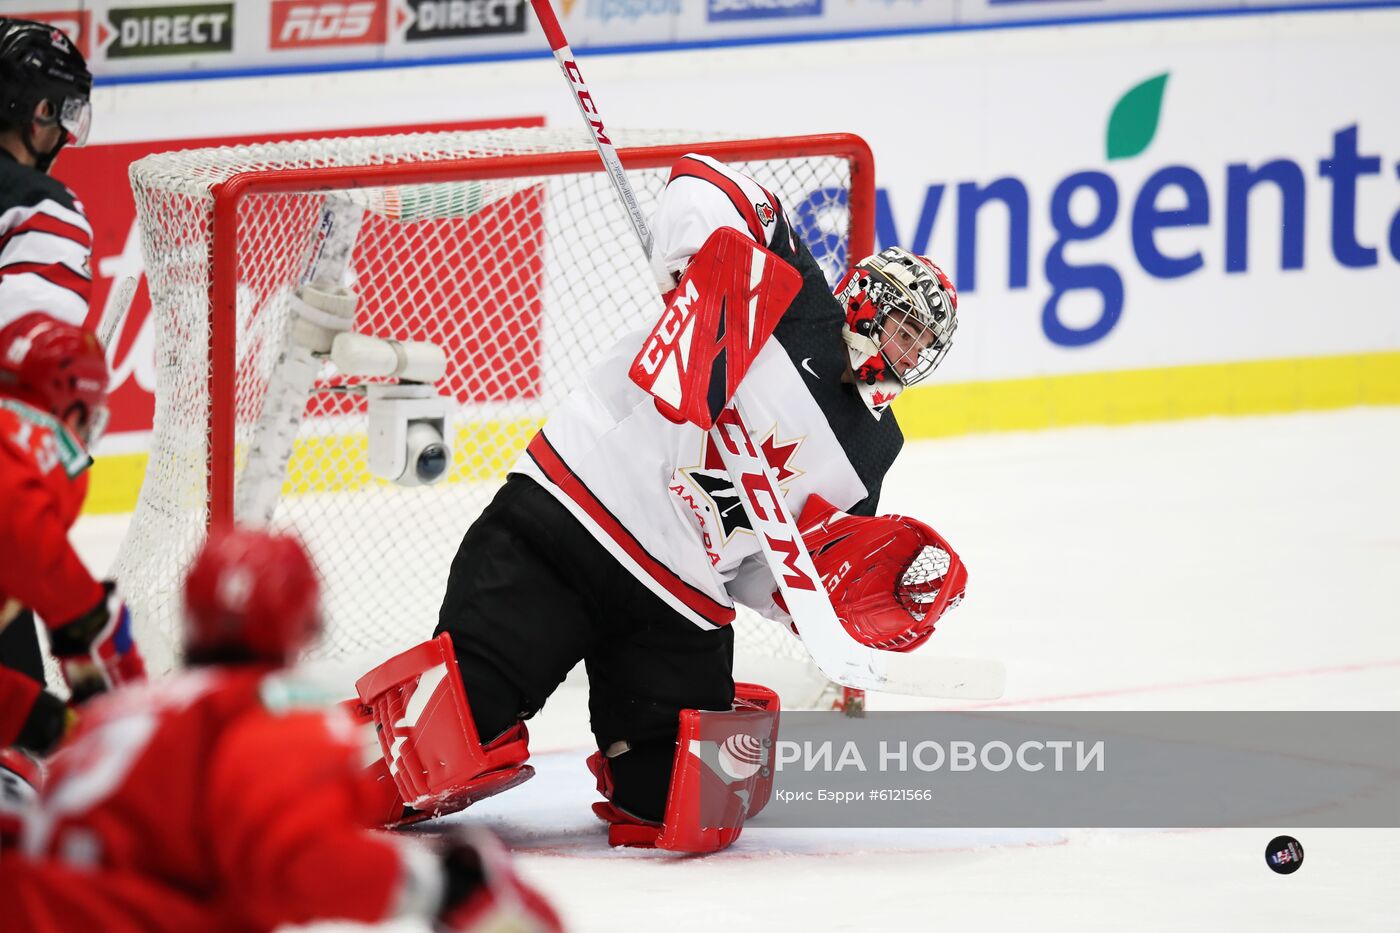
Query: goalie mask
[901,311]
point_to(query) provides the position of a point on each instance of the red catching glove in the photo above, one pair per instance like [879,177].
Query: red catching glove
[96,651]
[889,577]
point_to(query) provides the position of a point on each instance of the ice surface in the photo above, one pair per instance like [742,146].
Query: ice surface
[1214,564]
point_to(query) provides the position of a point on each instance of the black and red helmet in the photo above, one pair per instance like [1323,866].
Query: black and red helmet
[38,62]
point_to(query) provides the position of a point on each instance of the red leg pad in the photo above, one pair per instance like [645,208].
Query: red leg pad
[428,737]
[720,777]
[382,795]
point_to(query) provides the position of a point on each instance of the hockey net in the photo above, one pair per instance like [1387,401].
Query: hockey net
[505,247]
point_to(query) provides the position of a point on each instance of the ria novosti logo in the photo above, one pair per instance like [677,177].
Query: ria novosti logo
[299,24]
[741,755]
[1132,126]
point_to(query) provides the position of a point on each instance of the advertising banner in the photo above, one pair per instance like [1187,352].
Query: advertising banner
[459,19]
[297,24]
[1135,227]
[718,11]
[160,37]
[140,32]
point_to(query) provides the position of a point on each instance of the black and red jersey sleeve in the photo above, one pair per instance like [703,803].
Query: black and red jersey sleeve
[45,247]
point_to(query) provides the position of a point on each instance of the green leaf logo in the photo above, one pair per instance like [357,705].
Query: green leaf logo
[1133,122]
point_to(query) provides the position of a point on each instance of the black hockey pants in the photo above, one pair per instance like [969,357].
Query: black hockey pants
[531,593]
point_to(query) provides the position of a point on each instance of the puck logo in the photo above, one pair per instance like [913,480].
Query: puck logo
[169,30]
[1284,855]
[742,756]
[455,19]
[299,24]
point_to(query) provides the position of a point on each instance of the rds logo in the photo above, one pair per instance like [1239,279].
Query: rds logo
[1131,128]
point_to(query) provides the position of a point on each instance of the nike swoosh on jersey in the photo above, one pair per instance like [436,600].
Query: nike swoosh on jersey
[809,368]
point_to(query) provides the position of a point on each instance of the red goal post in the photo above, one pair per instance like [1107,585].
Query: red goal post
[513,254]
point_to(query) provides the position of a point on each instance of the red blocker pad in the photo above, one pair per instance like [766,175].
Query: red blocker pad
[721,777]
[428,738]
[715,322]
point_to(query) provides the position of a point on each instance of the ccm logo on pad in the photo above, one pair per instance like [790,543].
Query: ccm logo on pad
[672,325]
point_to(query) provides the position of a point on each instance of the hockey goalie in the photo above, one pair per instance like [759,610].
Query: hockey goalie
[619,540]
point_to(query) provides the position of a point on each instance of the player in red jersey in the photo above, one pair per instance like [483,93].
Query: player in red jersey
[231,797]
[53,389]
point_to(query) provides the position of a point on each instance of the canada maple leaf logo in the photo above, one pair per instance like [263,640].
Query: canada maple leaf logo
[713,481]
[765,212]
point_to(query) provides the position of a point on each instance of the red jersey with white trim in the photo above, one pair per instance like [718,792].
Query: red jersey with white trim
[43,480]
[655,493]
[45,246]
[216,800]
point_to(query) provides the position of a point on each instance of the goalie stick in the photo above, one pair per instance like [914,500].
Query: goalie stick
[115,311]
[835,652]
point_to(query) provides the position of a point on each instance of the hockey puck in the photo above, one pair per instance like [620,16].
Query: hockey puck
[1284,855]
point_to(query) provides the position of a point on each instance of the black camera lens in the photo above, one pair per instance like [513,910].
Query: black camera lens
[432,463]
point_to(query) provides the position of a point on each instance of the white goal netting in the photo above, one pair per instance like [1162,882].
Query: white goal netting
[525,280]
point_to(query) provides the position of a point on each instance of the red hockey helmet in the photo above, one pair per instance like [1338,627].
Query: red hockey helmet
[57,367]
[251,595]
[890,577]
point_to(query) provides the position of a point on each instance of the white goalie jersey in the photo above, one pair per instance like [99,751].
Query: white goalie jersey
[655,493]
